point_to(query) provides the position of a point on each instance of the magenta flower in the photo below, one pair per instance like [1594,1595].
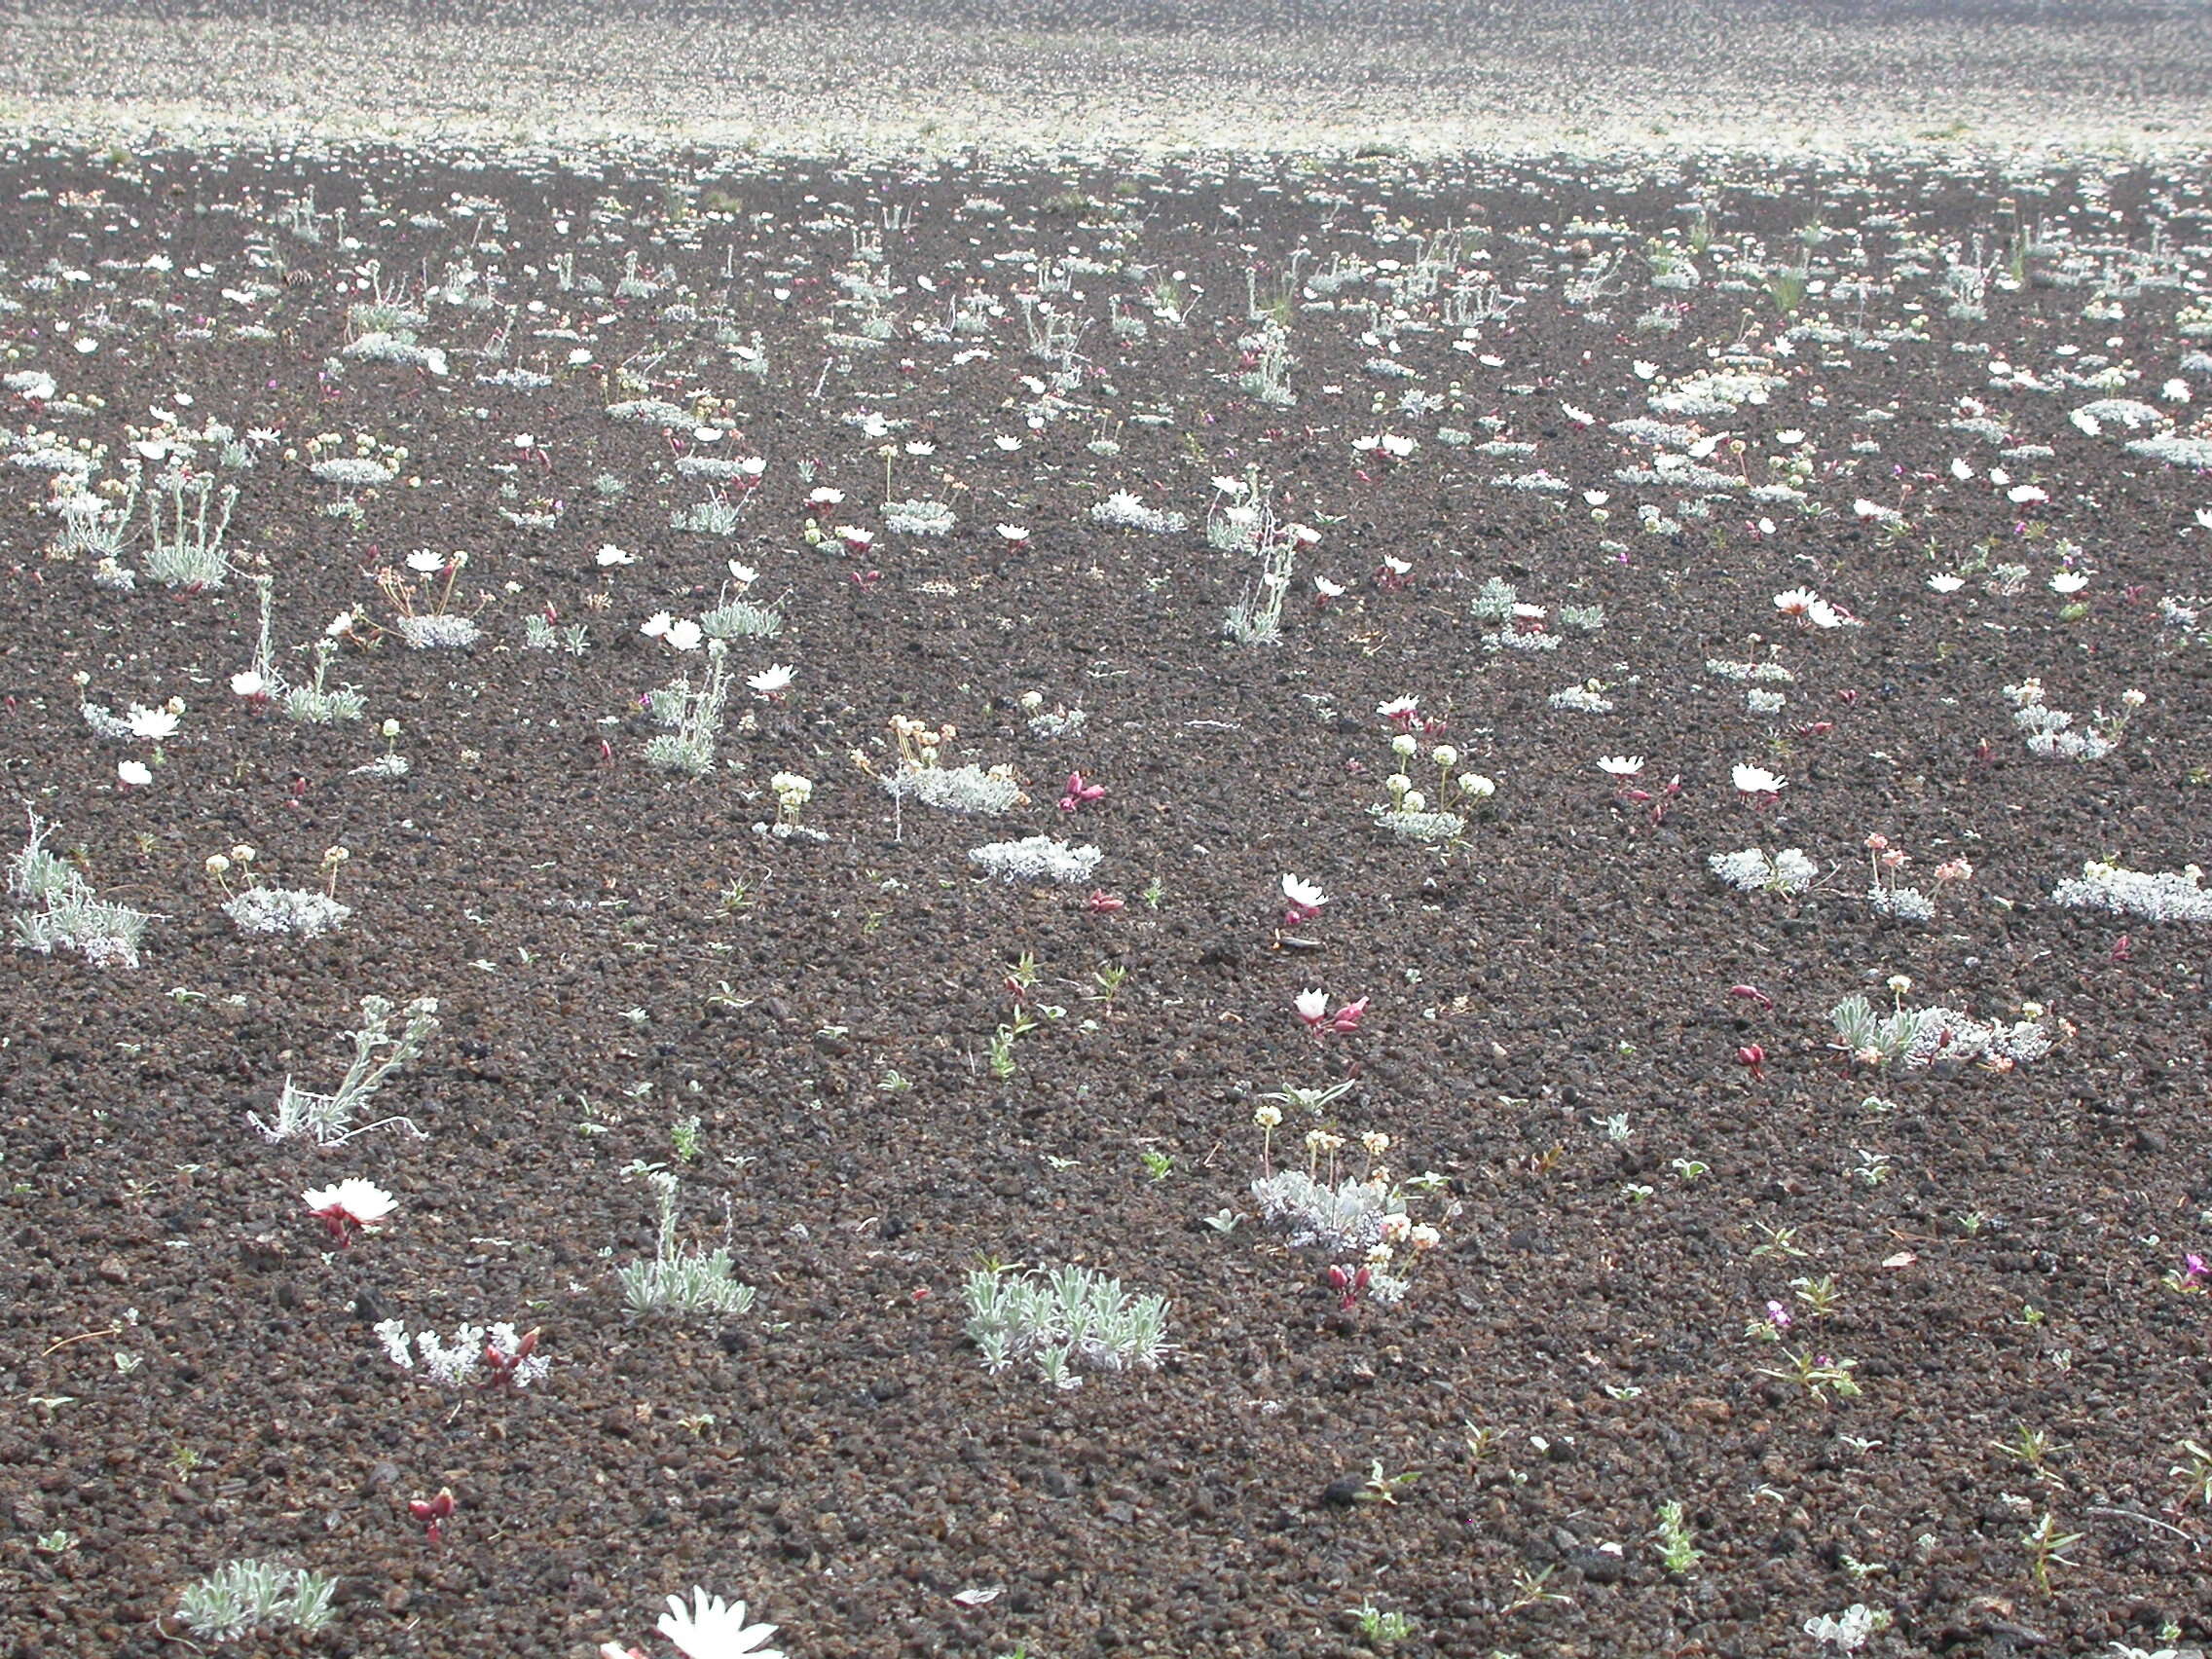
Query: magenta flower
[1081,793]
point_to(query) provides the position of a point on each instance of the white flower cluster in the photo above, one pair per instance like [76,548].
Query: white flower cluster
[1849,1630]
[2168,897]
[286,911]
[1123,512]
[1061,1315]
[1037,858]
[458,1363]
[2051,731]
[1787,872]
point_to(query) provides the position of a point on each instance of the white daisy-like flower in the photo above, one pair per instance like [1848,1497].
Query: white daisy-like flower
[743,576]
[152,725]
[1620,765]
[132,774]
[825,498]
[1796,601]
[685,636]
[609,554]
[425,561]
[1008,445]
[711,1628]
[657,625]
[1311,1004]
[2068,581]
[2022,494]
[1328,589]
[341,623]
[1946,584]
[1398,708]
[1306,895]
[1012,533]
[917,447]
[772,681]
[1757,780]
[353,1201]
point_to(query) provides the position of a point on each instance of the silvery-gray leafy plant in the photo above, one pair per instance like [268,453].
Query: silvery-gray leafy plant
[57,910]
[1037,858]
[377,1054]
[1062,1317]
[680,1280]
[242,1597]
[1922,1037]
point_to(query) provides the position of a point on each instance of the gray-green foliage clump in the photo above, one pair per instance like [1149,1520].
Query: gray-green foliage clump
[682,1280]
[59,910]
[377,1054]
[1060,1317]
[247,1596]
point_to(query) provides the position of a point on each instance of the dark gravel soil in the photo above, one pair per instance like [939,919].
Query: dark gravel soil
[190,1368]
